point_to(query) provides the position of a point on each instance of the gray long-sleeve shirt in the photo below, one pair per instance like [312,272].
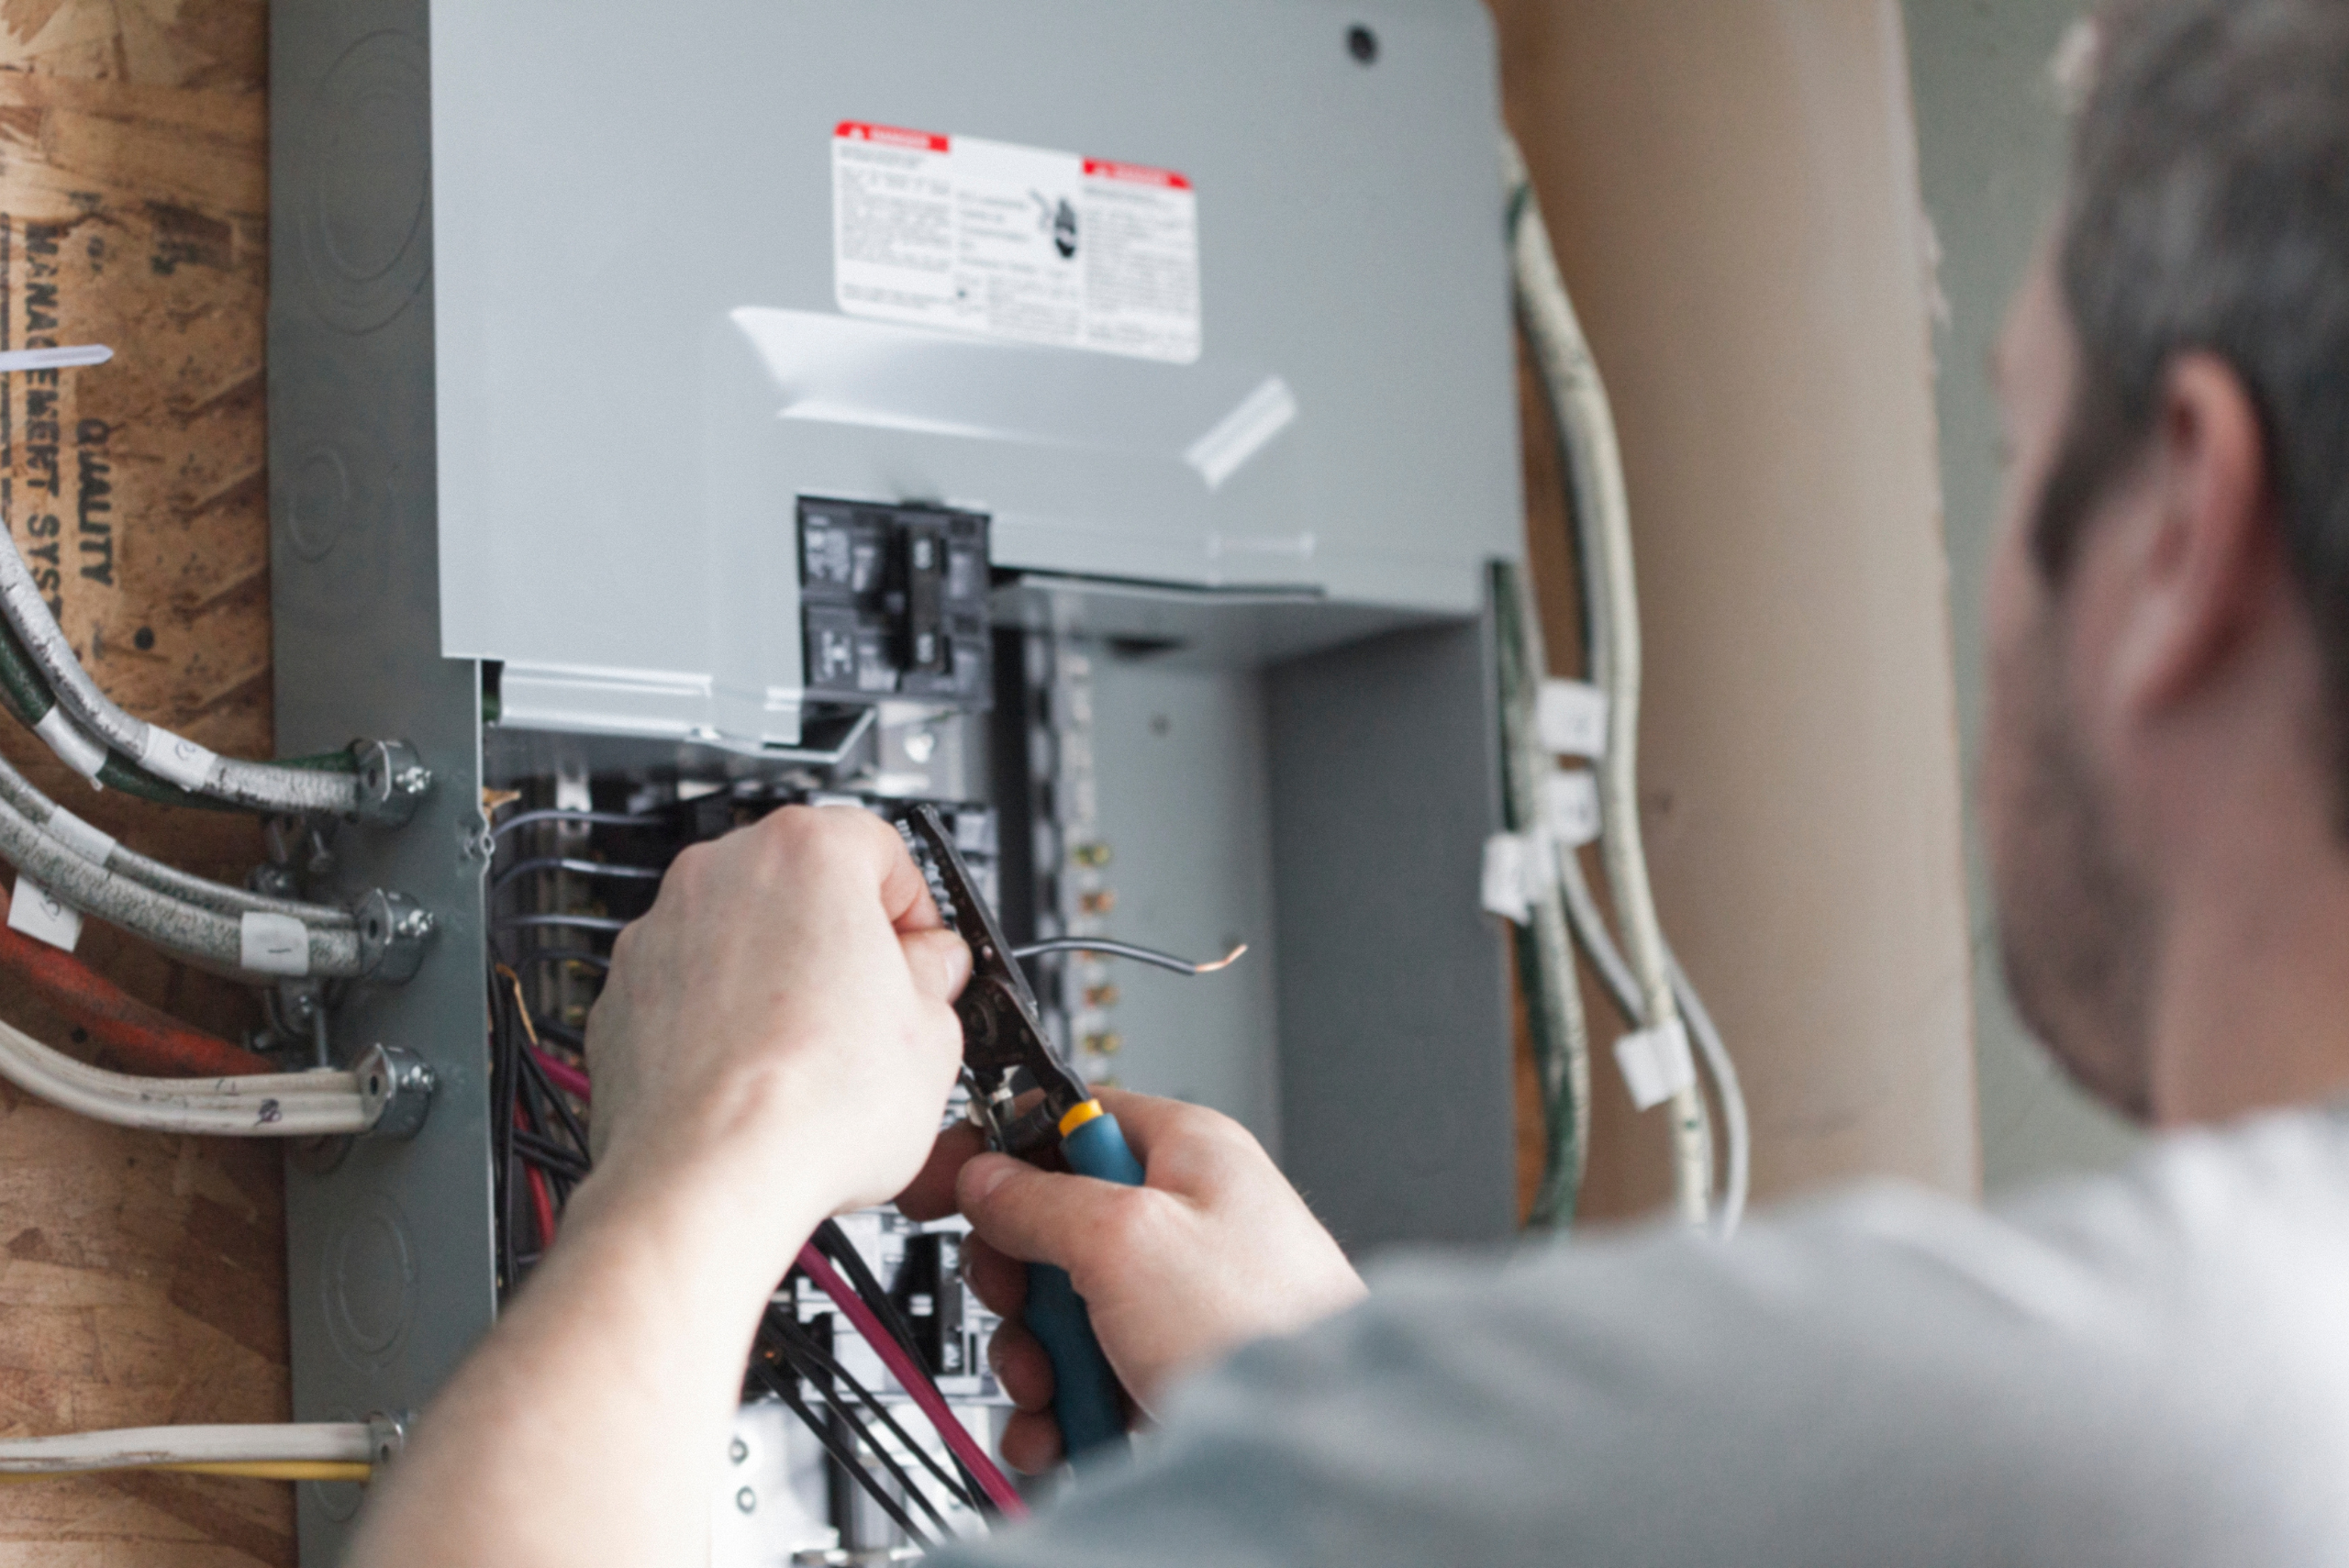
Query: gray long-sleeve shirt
[2148,1368]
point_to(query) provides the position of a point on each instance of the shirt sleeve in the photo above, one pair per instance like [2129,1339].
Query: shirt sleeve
[1889,1378]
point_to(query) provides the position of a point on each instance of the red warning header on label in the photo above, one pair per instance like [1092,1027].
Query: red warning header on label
[1135,173]
[892,136]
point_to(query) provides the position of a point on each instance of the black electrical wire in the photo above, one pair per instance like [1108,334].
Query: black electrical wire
[576,867]
[502,1075]
[571,955]
[785,1389]
[857,1430]
[582,818]
[796,1335]
[537,1078]
[833,1243]
[603,924]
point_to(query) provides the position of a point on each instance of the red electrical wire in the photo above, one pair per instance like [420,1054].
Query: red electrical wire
[138,1037]
[916,1383]
[541,1206]
[561,1073]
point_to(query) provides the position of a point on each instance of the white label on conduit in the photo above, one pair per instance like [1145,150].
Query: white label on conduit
[176,758]
[42,914]
[79,836]
[1021,243]
[1571,716]
[1570,799]
[1656,1065]
[273,944]
[75,749]
[1518,870]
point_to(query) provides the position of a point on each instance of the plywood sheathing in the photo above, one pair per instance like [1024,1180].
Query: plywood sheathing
[141,1278]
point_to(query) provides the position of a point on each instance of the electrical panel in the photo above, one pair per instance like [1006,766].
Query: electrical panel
[1093,421]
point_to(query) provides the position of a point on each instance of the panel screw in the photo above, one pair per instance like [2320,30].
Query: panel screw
[747,1500]
[738,1451]
[1362,43]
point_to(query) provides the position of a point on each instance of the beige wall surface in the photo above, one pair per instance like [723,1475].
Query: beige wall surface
[1732,187]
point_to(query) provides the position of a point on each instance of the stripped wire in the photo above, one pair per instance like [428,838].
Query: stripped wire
[1104,948]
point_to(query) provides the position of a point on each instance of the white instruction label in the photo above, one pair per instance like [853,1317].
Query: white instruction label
[1016,242]
[42,914]
[1656,1065]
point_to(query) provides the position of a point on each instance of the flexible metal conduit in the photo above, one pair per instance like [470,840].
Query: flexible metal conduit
[261,786]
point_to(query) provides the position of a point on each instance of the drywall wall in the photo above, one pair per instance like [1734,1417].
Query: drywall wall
[1733,188]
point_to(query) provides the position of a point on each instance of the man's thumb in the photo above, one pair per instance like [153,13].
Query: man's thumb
[1038,1217]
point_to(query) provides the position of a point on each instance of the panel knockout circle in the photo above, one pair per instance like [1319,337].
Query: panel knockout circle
[361,216]
[368,1278]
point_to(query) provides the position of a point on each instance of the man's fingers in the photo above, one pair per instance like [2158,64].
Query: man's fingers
[1031,1442]
[1000,1282]
[940,959]
[1021,1365]
[931,1196]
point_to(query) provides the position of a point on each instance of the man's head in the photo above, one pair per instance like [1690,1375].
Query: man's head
[2169,604]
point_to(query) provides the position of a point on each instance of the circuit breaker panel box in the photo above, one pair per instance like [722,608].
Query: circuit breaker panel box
[1094,421]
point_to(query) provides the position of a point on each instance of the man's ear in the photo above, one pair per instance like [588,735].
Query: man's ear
[2207,554]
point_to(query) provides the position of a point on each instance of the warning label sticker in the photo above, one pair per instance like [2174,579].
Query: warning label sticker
[1015,243]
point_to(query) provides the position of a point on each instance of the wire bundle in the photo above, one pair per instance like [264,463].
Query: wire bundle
[1643,976]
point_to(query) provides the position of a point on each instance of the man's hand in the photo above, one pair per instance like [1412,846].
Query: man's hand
[782,1018]
[775,1044]
[1216,1249]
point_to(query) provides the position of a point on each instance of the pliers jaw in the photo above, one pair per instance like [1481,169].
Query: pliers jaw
[1005,1050]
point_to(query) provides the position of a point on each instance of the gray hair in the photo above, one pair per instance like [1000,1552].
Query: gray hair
[2208,209]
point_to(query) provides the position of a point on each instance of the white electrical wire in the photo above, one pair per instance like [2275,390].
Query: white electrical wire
[127,1448]
[1594,465]
[1712,1053]
[273,1104]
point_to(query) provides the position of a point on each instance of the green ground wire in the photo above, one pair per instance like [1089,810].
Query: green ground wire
[28,696]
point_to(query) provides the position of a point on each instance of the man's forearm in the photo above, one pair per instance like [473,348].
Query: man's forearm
[587,1426]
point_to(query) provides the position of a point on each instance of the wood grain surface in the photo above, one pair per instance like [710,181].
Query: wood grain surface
[141,1278]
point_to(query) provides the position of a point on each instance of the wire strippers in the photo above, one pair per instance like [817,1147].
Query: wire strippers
[1005,1055]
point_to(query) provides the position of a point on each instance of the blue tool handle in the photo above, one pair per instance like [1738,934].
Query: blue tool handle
[1085,1391]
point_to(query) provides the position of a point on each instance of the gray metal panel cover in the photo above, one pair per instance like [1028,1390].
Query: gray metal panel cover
[642,362]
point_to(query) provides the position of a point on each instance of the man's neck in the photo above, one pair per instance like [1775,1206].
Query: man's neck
[2251,1002]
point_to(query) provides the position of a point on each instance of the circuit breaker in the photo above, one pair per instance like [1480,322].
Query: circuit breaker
[1093,421]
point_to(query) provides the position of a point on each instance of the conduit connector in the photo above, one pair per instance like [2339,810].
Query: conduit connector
[392,779]
[395,1086]
[386,1436]
[393,929]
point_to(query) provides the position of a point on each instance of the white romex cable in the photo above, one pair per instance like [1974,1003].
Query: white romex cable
[273,1104]
[1602,512]
[126,1448]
